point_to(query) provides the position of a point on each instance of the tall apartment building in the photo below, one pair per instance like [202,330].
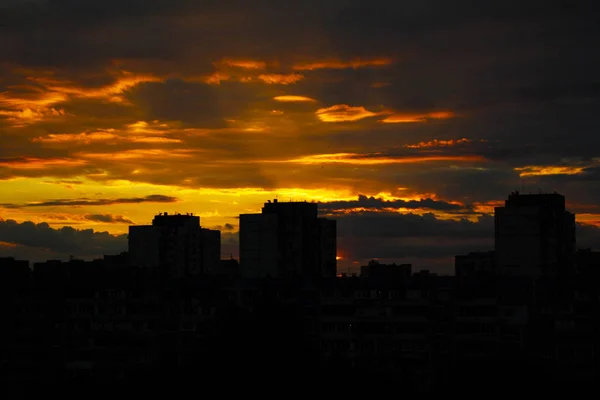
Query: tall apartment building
[287,239]
[176,244]
[534,235]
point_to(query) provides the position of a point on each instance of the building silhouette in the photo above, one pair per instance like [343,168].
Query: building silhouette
[479,263]
[287,239]
[122,320]
[176,244]
[534,235]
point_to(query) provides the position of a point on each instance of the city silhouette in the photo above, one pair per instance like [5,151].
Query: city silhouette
[169,311]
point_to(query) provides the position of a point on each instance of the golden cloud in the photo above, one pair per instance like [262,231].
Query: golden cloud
[246,64]
[110,92]
[83,138]
[537,170]
[376,158]
[26,104]
[26,163]
[280,79]
[153,139]
[437,143]
[339,64]
[136,132]
[213,79]
[291,98]
[343,113]
[139,154]
[28,115]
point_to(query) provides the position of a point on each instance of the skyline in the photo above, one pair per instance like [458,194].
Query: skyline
[114,111]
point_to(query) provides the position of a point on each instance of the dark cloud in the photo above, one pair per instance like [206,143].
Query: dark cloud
[108,218]
[379,204]
[226,227]
[154,198]
[66,240]
[195,104]
[398,225]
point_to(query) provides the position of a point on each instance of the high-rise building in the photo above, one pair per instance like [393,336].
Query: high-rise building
[534,235]
[176,244]
[476,264]
[287,239]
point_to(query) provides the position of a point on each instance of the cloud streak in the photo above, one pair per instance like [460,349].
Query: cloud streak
[344,113]
[371,203]
[340,64]
[155,198]
[377,159]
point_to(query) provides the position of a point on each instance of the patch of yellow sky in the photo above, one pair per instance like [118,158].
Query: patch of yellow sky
[216,207]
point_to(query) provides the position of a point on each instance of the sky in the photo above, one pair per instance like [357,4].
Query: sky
[408,121]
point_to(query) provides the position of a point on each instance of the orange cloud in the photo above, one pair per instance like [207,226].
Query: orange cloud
[29,115]
[29,105]
[111,92]
[154,139]
[143,127]
[7,244]
[246,64]
[84,138]
[487,207]
[136,132]
[39,99]
[589,218]
[374,159]
[437,143]
[338,64]
[343,113]
[280,79]
[213,79]
[536,170]
[407,118]
[40,163]
[290,98]
[87,138]
[139,153]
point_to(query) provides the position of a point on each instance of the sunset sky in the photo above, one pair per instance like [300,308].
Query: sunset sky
[408,120]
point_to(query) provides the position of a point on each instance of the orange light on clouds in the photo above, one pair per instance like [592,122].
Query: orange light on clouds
[375,159]
[83,138]
[26,163]
[30,115]
[280,79]
[536,170]
[400,118]
[589,218]
[40,99]
[290,99]
[343,113]
[153,139]
[7,244]
[110,92]
[139,153]
[437,143]
[339,64]
[246,64]
[213,79]
[136,132]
